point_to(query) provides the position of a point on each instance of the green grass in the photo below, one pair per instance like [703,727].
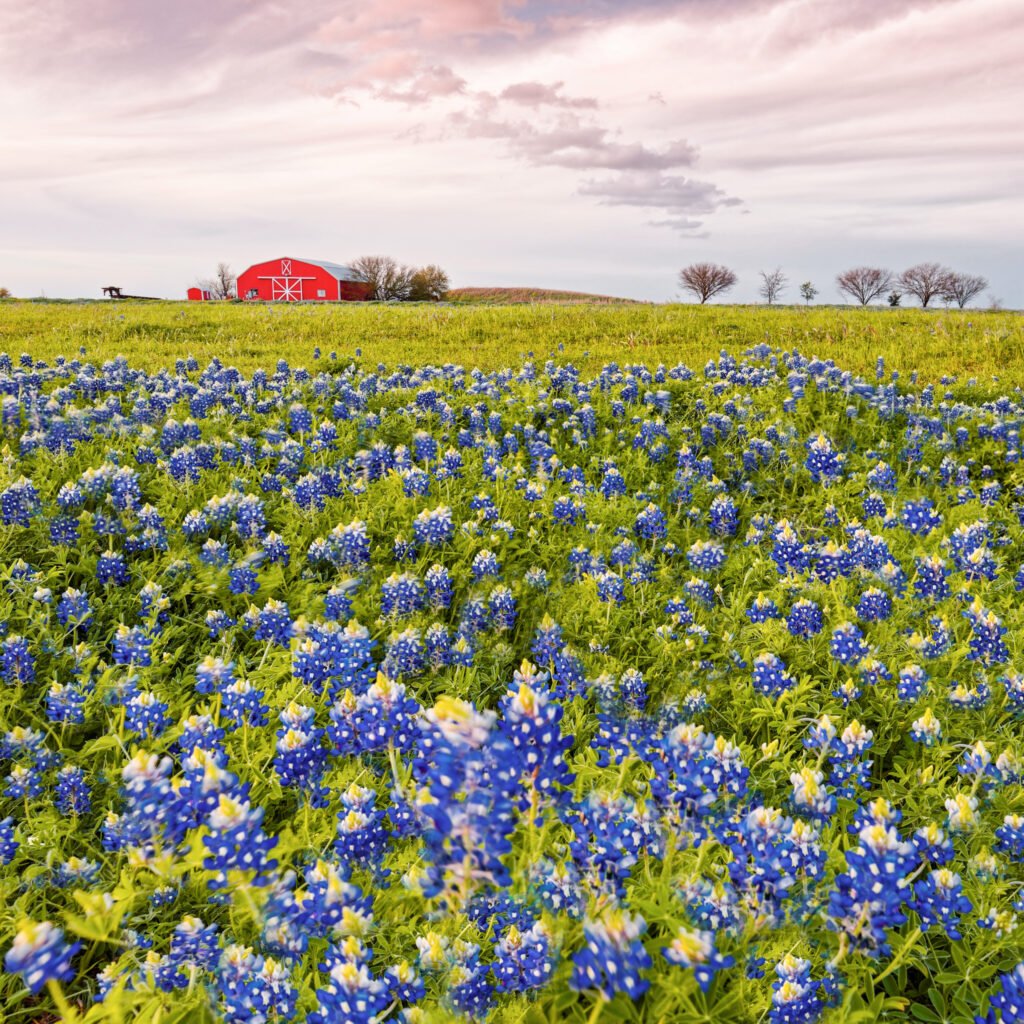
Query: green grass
[972,343]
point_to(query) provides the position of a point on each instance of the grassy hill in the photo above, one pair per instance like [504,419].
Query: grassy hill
[515,296]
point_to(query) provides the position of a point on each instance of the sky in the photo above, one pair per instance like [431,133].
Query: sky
[595,145]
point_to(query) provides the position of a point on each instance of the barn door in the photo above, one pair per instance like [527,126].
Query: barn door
[286,289]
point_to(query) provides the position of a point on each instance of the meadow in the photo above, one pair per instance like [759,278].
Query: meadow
[530,664]
[971,343]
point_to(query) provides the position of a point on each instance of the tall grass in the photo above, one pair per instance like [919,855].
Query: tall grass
[968,344]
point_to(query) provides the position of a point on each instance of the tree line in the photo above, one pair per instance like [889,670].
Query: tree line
[925,282]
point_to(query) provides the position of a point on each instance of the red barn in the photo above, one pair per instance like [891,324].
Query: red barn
[294,280]
[199,295]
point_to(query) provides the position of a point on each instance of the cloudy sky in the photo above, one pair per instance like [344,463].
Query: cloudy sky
[587,144]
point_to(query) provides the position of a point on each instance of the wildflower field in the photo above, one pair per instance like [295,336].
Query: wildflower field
[627,664]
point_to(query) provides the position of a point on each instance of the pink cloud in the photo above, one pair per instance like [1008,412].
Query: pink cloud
[537,94]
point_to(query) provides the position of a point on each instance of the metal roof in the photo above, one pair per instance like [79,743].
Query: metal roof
[334,269]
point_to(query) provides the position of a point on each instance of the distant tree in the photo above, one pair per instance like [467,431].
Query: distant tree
[221,285]
[925,281]
[864,283]
[5,293]
[808,291]
[706,279]
[388,280]
[772,284]
[961,288]
[894,298]
[428,284]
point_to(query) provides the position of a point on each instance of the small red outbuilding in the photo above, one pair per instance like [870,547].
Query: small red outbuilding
[293,280]
[197,294]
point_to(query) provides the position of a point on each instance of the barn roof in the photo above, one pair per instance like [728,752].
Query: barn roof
[334,269]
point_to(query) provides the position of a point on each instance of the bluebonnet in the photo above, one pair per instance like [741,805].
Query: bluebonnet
[696,949]
[770,676]
[613,955]
[40,954]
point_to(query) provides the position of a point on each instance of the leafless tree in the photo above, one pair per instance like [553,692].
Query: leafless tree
[864,283]
[706,279]
[772,284]
[428,284]
[223,284]
[925,281]
[388,279]
[961,288]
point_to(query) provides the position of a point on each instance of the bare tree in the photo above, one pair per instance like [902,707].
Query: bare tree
[961,288]
[388,279]
[925,281]
[808,291]
[772,284]
[223,284]
[706,279]
[428,284]
[864,283]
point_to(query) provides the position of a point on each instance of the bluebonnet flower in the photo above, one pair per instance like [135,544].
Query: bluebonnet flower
[723,516]
[439,587]
[8,844]
[696,949]
[986,642]
[523,960]
[823,461]
[74,610]
[71,793]
[401,595]
[796,998]
[847,645]
[613,956]
[763,609]
[405,654]
[932,582]
[338,602]
[706,556]
[939,900]
[770,675]
[867,899]
[434,527]
[111,568]
[1010,836]
[1006,1003]
[17,663]
[19,502]
[242,704]
[650,523]
[927,729]
[237,842]
[40,954]
[361,835]
[805,618]
[218,622]
[132,646]
[300,759]
[919,518]
[145,714]
[874,605]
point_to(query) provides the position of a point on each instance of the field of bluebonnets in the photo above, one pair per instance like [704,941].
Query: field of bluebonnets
[580,687]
